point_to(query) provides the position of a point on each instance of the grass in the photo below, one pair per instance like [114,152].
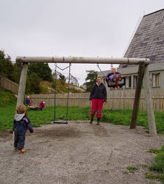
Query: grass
[117,117]
[7,109]
[157,166]
[48,87]
[6,98]
[131,169]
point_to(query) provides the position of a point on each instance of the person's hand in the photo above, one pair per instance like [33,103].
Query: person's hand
[90,101]
[104,103]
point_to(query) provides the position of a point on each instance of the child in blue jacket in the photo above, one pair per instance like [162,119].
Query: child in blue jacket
[21,124]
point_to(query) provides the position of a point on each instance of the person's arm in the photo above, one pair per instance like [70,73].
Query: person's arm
[28,124]
[107,77]
[105,94]
[92,93]
[109,74]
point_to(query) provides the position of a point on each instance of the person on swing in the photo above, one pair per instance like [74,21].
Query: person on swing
[114,75]
[98,97]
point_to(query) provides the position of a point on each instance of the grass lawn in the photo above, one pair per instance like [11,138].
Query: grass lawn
[118,117]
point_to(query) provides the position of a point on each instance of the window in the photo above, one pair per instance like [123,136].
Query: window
[128,82]
[155,79]
[134,81]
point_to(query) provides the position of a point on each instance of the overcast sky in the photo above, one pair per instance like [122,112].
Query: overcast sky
[88,28]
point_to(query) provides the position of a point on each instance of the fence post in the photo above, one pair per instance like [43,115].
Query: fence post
[149,103]
[22,84]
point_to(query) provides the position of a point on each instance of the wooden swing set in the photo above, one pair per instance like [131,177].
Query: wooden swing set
[143,76]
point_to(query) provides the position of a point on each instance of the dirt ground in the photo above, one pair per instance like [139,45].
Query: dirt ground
[79,153]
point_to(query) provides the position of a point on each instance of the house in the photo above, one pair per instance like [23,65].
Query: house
[73,80]
[148,42]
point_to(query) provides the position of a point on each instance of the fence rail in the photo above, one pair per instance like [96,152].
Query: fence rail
[117,99]
[8,84]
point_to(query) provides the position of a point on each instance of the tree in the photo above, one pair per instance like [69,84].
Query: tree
[33,84]
[62,79]
[90,79]
[41,69]
[6,66]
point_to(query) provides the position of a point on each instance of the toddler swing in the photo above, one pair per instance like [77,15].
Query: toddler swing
[113,84]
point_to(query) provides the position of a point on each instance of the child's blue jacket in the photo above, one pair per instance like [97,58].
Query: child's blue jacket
[22,123]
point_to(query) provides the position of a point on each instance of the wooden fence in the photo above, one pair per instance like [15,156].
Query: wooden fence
[117,99]
[8,84]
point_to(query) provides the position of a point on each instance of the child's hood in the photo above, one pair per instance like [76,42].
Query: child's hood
[18,117]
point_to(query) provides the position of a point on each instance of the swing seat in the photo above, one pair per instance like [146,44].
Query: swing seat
[113,84]
[60,122]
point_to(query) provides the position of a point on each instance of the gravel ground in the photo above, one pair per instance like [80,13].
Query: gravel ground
[79,153]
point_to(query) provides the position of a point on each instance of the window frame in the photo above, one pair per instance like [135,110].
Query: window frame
[155,80]
[130,81]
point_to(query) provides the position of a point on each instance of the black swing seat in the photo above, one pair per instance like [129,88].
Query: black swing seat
[60,122]
[113,84]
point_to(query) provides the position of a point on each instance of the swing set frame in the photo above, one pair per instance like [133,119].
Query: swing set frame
[143,76]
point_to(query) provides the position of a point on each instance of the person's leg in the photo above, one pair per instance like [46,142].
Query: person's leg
[93,109]
[40,108]
[21,141]
[114,77]
[99,111]
[119,77]
[16,137]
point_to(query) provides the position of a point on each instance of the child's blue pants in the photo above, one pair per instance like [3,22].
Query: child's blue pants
[19,139]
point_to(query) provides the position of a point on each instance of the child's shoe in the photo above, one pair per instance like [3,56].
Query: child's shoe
[114,78]
[119,77]
[21,151]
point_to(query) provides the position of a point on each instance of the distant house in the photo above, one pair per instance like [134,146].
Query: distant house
[57,75]
[148,42]
[73,80]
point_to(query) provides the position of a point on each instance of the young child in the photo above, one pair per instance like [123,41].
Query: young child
[21,124]
[41,105]
[28,101]
[113,75]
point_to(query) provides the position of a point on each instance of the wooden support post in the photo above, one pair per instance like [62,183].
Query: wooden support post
[22,85]
[137,96]
[149,103]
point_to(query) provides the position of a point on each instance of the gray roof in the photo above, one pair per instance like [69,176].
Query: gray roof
[148,41]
